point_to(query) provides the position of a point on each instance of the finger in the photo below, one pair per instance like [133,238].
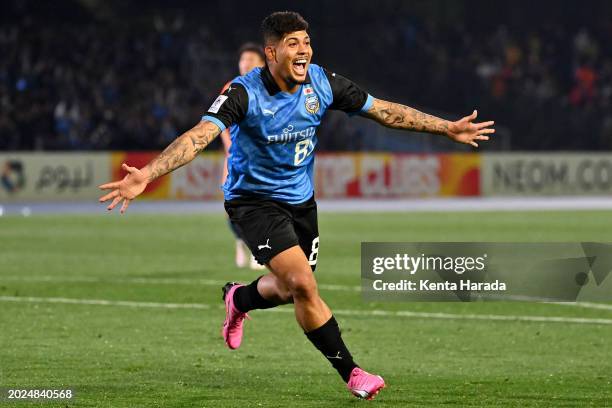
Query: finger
[125,205]
[474,144]
[110,195]
[471,117]
[107,186]
[116,201]
[128,168]
[484,124]
[486,131]
[482,138]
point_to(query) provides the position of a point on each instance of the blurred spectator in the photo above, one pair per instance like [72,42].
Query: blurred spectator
[81,82]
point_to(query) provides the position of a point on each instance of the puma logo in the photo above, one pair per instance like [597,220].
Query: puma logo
[337,356]
[266,245]
[268,112]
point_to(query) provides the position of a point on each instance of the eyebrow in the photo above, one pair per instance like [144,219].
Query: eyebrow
[296,38]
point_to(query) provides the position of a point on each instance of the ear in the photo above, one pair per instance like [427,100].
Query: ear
[270,52]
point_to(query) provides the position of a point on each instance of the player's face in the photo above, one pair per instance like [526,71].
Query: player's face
[248,61]
[292,55]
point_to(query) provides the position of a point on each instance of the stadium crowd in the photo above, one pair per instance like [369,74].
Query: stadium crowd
[70,83]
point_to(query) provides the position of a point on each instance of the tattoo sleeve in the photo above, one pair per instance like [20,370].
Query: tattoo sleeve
[183,149]
[397,116]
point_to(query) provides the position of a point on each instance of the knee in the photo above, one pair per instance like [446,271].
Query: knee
[303,286]
[284,295]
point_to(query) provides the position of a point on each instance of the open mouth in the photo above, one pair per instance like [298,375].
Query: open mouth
[299,66]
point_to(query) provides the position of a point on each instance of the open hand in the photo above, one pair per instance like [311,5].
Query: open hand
[465,131]
[132,185]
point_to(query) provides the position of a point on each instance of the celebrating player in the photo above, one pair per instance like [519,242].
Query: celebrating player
[274,113]
[250,56]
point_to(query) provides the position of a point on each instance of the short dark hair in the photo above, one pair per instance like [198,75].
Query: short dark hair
[252,47]
[279,23]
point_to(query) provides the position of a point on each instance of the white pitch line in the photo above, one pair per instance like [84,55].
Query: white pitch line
[454,316]
[211,282]
[152,281]
[586,305]
[103,302]
[348,312]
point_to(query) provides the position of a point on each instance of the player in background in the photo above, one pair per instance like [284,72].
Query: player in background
[269,192]
[250,55]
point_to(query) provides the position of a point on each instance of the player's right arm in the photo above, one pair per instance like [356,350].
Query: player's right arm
[230,107]
[225,135]
[181,151]
[184,149]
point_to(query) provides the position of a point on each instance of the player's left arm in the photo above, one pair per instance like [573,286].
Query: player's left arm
[351,98]
[397,116]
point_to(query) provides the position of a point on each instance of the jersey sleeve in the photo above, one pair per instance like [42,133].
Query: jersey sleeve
[348,96]
[229,107]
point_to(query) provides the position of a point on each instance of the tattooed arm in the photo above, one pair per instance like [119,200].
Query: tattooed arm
[396,116]
[181,151]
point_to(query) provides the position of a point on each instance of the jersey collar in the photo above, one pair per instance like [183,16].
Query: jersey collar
[270,83]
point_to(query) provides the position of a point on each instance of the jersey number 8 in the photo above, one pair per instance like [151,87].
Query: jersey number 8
[314,252]
[302,150]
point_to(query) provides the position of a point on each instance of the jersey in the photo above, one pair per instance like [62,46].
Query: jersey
[273,133]
[225,138]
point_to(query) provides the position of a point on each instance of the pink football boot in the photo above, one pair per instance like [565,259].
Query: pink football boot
[364,385]
[232,326]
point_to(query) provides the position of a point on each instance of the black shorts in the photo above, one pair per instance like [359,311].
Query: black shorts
[269,227]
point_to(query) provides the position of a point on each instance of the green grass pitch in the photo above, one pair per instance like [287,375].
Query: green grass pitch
[138,356]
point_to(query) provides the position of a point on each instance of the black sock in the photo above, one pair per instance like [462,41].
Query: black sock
[328,340]
[247,298]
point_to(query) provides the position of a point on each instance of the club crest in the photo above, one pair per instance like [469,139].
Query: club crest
[312,103]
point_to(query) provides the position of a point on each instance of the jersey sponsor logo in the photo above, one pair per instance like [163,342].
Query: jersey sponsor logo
[214,108]
[312,103]
[289,135]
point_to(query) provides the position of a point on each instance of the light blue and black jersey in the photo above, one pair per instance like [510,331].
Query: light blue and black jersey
[274,133]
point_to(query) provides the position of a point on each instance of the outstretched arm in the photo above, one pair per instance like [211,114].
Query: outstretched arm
[180,152]
[397,116]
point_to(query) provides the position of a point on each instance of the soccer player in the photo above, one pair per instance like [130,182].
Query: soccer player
[275,112]
[250,55]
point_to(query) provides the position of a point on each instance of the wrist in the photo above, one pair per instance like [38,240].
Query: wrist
[449,128]
[148,175]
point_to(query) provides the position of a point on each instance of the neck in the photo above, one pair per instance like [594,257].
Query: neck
[290,87]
